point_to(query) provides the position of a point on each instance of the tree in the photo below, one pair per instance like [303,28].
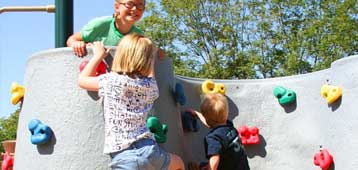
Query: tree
[8,127]
[232,39]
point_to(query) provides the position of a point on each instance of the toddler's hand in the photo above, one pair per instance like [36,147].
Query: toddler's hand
[79,48]
[192,111]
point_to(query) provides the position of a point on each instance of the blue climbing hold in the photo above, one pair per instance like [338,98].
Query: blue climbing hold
[179,95]
[189,122]
[40,133]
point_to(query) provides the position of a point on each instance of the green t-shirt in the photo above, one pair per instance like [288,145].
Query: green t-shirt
[104,29]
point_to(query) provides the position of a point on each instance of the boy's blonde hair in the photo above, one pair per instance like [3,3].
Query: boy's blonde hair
[134,55]
[215,109]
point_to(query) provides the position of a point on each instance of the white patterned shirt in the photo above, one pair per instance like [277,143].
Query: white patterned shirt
[126,104]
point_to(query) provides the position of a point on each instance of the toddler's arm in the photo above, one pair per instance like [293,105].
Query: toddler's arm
[199,115]
[78,45]
[214,162]
[86,78]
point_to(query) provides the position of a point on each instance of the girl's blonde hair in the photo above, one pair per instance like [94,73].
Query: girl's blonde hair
[215,109]
[134,55]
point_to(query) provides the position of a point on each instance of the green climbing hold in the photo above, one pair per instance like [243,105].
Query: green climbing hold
[159,130]
[284,96]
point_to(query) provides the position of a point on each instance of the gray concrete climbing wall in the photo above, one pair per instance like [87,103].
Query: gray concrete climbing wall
[290,136]
[53,96]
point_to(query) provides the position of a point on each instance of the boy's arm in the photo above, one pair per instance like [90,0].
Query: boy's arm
[86,79]
[214,162]
[78,45]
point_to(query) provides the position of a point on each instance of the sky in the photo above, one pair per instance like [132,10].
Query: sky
[24,33]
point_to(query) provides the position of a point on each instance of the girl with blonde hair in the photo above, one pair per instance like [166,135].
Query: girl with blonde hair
[128,93]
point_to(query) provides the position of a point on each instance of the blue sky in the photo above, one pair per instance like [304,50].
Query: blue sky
[25,33]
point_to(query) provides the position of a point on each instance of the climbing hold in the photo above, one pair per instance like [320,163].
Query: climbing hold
[159,130]
[208,86]
[249,135]
[179,95]
[331,93]
[189,122]
[219,88]
[40,133]
[284,96]
[7,161]
[323,159]
[17,92]
[101,68]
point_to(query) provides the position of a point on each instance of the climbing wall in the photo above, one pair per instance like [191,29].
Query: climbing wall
[75,115]
[290,135]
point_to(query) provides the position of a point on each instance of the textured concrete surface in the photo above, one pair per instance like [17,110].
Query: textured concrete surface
[53,96]
[290,136]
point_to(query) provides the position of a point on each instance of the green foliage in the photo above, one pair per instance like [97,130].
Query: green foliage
[8,127]
[232,39]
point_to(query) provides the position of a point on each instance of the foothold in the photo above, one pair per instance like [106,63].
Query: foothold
[7,161]
[159,130]
[323,159]
[101,68]
[284,96]
[17,92]
[179,95]
[189,122]
[208,86]
[40,133]
[249,135]
[331,93]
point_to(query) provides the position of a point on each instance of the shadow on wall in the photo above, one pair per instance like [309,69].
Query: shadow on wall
[233,109]
[47,148]
[257,150]
[334,106]
[290,107]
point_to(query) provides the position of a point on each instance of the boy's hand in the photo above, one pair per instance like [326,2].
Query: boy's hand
[79,48]
[161,54]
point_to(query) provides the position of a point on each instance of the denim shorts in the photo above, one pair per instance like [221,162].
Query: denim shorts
[144,154]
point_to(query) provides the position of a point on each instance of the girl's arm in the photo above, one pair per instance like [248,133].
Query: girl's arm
[214,162]
[151,71]
[86,79]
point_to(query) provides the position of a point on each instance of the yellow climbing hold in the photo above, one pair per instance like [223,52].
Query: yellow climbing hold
[208,86]
[17,92]
[331,93]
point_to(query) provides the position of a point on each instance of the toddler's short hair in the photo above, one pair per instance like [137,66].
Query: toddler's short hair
[215,109]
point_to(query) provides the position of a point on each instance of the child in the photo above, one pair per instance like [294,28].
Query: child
[223,146]
[109,29]
[128,94]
